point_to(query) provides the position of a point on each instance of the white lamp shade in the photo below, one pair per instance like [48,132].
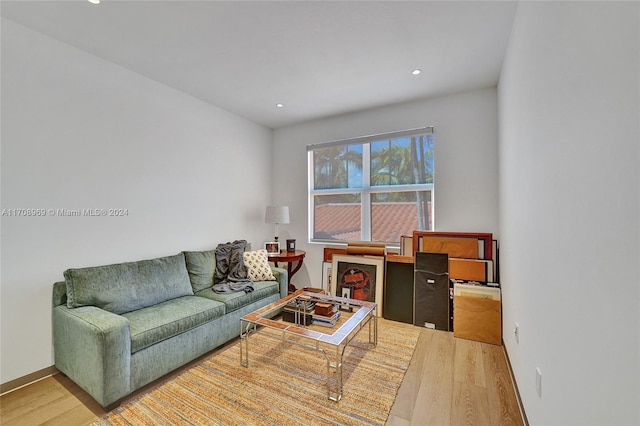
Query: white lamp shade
[277,214]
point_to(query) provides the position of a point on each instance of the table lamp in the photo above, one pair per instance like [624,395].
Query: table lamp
[276,215]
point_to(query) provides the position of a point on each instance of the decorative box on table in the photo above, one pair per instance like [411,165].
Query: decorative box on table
[299,311]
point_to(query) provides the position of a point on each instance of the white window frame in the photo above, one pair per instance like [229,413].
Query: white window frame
[367,190]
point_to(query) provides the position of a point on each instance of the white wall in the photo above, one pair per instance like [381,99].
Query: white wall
[466,163]
[79,132]
[569,210]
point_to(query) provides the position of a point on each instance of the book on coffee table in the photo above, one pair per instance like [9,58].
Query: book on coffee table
[328,321]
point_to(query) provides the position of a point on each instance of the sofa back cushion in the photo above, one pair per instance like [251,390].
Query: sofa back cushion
[201,266]
[126,287]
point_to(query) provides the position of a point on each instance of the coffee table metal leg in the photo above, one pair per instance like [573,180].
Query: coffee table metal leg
[338,394]
[244,342]
[373,334]
[336,378]
[339,356]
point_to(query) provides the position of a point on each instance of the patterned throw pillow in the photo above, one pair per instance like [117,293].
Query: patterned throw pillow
[257,263]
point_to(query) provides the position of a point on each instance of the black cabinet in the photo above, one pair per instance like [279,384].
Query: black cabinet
[398,289]
[416,291]
[431,291]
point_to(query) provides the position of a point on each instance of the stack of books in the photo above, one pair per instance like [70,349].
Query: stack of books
[325,314]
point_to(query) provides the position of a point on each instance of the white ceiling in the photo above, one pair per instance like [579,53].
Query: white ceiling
[318,58]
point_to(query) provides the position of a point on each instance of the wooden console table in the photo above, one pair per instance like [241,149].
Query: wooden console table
[290,258]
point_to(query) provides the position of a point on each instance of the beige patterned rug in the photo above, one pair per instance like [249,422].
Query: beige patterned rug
[283,385]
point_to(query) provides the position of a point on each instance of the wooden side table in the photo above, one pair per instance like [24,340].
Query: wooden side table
[290,258]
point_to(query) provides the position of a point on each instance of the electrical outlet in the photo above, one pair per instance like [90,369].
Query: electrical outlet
[516,332]
[539,381]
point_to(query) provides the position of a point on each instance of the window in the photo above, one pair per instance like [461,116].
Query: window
[373,188]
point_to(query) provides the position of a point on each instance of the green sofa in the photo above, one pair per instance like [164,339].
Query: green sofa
[119,327]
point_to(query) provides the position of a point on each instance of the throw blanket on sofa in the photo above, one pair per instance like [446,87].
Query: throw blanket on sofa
[231,275]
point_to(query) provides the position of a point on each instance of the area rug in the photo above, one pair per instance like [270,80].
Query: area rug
[283,385]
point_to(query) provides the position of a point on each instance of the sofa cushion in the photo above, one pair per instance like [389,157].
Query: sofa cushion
[126,287]
[257,263]
[234,301]
[201,266]
[156,323]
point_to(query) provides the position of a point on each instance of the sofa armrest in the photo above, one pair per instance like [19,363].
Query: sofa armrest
[93,347]
[283,278]
[59,294]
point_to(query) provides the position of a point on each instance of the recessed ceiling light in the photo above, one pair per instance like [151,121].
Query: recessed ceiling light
[94,1]
[416,71]
[279,105]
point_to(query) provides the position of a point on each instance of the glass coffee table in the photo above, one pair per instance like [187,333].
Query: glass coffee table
[330,341]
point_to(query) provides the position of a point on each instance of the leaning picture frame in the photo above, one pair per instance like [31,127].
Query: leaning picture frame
[326,277]
[358,277]
[272,248]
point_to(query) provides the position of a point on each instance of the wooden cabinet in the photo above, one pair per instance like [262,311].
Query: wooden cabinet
[477,313]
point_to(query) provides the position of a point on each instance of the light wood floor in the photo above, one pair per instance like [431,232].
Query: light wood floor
[453,381]
[450,381]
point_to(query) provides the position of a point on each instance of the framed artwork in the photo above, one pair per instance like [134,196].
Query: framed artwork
[272,248]
[357,277]
[326,277]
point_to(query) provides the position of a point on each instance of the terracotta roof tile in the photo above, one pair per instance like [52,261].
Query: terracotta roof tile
[390,221]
